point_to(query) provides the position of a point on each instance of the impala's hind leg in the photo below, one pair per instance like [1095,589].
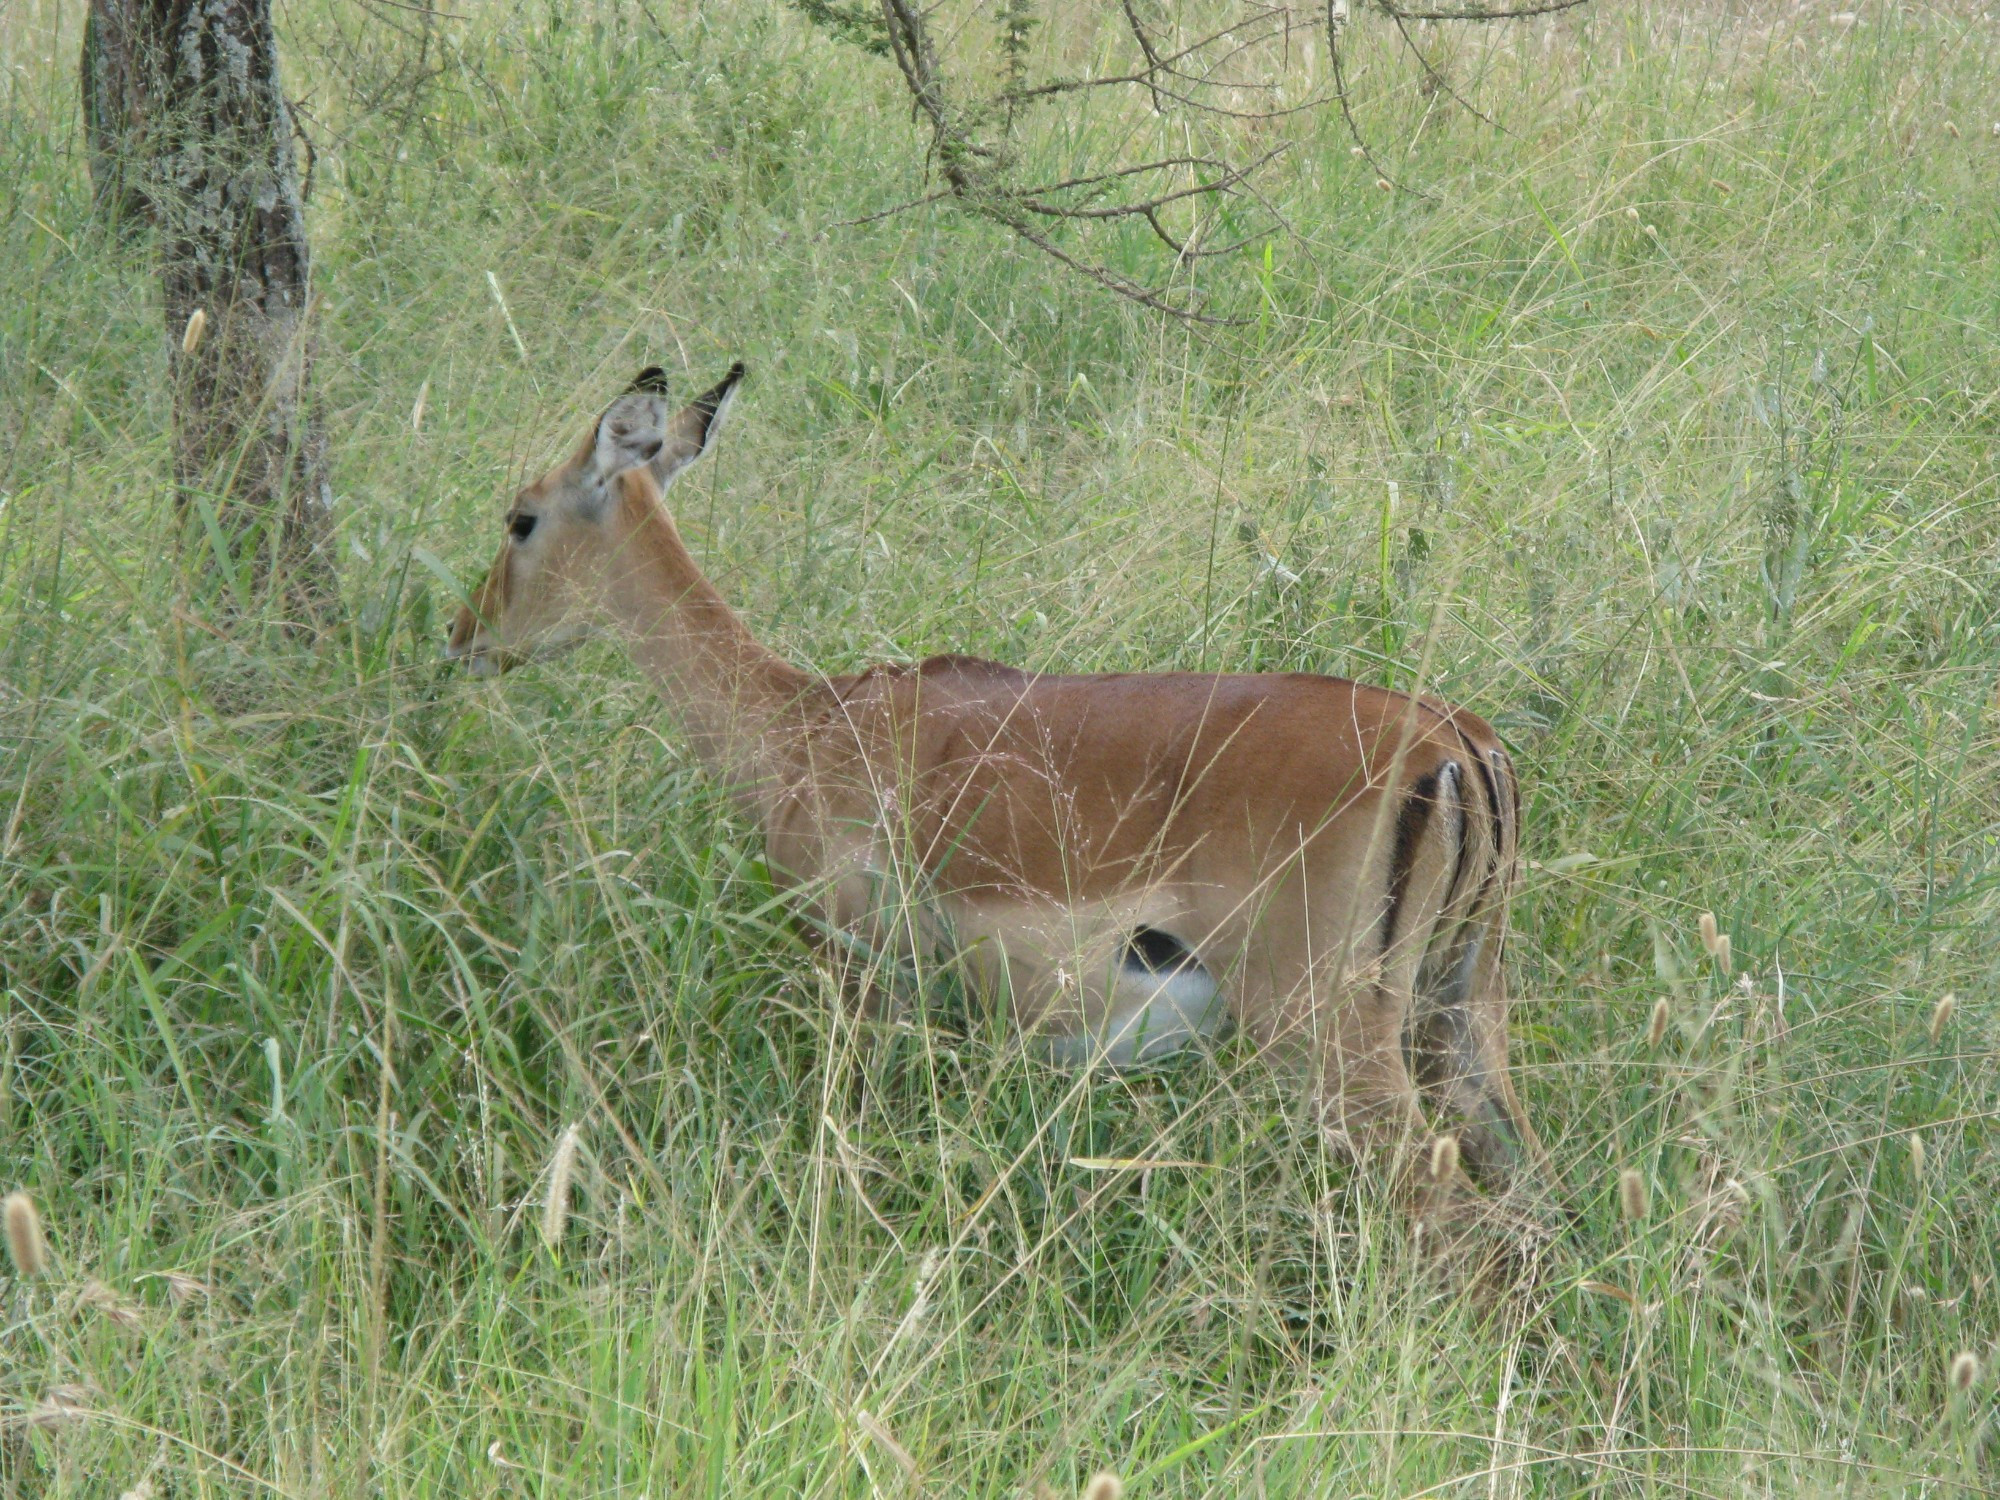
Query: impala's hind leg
[1346,1023]
[1367,1101]
[1459,1046]
[1370,1105]
[1366,971]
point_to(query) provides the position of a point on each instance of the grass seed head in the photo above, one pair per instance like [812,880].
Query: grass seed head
[1710,933]
[183,1287]
[1444,1158]
[1941,1015]
[1656,1033]
[25,1244]
[1107,1485]
[101,1297]
[1964,1371]
[555,1207]
[62,1405]
[1725,958]
[197,324]
[1632,1196]
[1917,1155]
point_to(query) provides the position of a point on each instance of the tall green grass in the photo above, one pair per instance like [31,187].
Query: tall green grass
[1660,425]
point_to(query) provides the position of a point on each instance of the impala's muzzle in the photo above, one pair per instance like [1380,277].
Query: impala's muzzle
[483,661]
[482,657]
[486,657]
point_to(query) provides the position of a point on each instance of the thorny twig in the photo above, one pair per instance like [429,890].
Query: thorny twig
[1153,63]
[1472,13]
[1336,22]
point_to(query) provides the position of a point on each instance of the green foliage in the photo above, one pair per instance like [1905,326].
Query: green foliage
[854,21]
[1015,25]
[1663,433]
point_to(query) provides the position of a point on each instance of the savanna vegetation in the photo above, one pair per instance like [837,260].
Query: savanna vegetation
[1655,421]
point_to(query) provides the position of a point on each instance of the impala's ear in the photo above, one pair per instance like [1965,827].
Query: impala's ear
[632,432]
[652,381]
[694,426]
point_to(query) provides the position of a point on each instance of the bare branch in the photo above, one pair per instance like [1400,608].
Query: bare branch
[1119,284]
[890,213]
[1153,64]
[1167,65]
[1333,30]
[1164,164]
[1231,72]
[1035,204]
[1436,79]
[1523,13]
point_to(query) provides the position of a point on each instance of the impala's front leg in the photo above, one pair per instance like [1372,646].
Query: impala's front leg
[863,931]
[881,917]
[831,867]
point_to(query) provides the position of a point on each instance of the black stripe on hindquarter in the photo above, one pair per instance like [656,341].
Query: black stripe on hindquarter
[1494,807]
[1504,769]
[1506,859]
[1503,809]
[1495,813]
[1411,818]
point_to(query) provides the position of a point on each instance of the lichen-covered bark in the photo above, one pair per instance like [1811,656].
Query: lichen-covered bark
[222,184]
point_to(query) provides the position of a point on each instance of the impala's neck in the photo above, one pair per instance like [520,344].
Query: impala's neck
[740,704]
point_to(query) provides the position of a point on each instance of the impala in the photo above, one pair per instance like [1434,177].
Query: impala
[1127,861]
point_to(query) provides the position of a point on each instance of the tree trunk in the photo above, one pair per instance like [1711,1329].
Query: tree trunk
[114,112]
[216,171]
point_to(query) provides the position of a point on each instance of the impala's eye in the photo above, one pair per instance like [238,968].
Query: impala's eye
[520,525]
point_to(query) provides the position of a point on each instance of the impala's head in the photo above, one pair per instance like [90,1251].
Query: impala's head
[544,588]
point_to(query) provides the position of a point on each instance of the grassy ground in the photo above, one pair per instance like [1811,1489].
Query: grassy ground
[1662,430]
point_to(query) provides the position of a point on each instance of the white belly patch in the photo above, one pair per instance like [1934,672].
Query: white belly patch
[1149,1014]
